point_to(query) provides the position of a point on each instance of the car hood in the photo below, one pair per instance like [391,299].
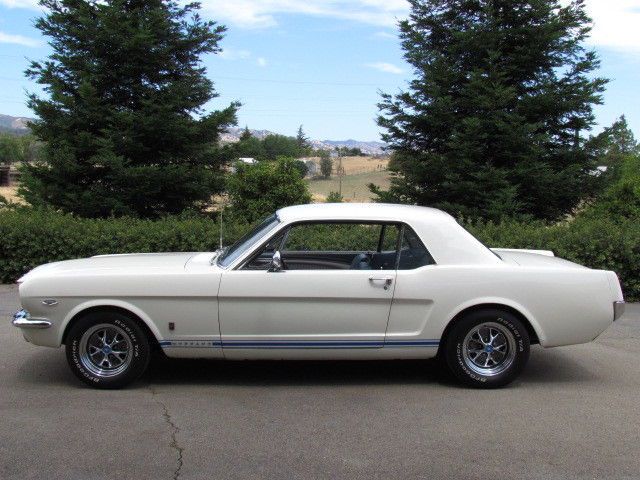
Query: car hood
[138,263]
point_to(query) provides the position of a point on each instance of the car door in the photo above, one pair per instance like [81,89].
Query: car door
[410,332]
[334,293]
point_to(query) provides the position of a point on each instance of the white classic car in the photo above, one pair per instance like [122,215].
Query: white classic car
[329,281]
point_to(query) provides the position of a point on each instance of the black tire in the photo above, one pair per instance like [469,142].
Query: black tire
[463,341]
[86,335]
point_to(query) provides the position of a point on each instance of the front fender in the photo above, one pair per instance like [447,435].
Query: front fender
[106,302]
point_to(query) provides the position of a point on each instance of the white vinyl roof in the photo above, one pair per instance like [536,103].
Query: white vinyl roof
[361,211]
[446,240]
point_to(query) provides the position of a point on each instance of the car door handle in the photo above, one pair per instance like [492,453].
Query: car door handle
[385,280]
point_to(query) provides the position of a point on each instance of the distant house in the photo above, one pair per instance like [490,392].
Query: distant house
[246,160]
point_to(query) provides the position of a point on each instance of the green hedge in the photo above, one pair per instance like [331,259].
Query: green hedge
[599,243]
[31,237]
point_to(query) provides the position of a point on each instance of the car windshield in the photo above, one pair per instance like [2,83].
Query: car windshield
[230,254]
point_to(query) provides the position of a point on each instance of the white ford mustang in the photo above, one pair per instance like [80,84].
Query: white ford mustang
[330,281]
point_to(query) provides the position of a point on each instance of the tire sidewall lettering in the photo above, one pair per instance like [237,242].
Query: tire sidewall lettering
[455,356]
[139,343]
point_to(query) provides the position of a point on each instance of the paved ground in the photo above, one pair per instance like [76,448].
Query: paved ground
[575,413]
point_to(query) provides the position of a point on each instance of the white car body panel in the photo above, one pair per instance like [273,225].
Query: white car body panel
[334,314]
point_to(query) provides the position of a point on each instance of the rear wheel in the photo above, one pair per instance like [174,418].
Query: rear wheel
[107,349]
[487,348]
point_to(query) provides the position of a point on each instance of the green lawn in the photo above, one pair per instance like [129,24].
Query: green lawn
[354,187]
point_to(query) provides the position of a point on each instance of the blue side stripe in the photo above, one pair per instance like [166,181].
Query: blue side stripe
[293,344]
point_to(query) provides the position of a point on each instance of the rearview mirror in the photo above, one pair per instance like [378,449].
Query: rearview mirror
[276,263]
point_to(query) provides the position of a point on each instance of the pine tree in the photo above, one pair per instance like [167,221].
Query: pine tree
[303,142]
[614,143]
[124,127]
[246,133]
[492,123]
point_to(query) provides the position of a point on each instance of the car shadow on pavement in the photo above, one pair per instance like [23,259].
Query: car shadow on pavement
[545,367]
[294,373]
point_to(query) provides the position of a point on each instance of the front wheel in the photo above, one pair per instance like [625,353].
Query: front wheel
[487,348]
[107,349]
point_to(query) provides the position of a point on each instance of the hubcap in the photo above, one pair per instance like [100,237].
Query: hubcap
[105,350]
[489,349]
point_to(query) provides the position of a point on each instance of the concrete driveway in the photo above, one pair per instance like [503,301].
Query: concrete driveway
[574,414]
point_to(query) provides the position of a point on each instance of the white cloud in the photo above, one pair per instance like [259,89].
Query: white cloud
[19,40]
[615,23]
[262,62]
[263,13]
[385,67]
[33,4]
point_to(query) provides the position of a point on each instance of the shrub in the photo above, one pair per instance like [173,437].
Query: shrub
[258,190]
[326,164]
[30,237]
[334,197]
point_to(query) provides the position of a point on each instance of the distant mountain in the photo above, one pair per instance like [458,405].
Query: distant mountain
[17,125]
[370,148]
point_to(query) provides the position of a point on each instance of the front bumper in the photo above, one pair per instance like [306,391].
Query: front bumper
[618,309]
[22,319]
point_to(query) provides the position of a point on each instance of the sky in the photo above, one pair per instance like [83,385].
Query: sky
[322,63]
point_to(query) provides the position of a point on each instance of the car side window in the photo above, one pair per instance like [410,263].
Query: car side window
[413,253]
[333,237]
[262,261]
[332,246]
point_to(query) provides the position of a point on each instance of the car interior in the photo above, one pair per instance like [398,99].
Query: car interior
[343,246]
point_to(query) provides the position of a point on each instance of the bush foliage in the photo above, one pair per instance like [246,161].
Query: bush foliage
[29,238]
[258,190]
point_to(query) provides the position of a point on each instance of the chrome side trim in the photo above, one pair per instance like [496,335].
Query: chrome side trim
[618,309]
[22,319]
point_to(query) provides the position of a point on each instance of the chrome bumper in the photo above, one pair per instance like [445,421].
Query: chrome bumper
[22,319]
[618,309]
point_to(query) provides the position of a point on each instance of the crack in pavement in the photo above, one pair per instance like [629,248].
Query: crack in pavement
[174,432]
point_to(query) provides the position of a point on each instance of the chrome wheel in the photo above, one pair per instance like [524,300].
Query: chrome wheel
[105,350]
[489,349]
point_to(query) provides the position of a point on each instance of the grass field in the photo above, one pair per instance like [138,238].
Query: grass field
[354,187]
[353,165]
[359,172]
[10,194]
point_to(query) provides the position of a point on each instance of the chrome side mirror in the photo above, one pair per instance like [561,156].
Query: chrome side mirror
[276,263]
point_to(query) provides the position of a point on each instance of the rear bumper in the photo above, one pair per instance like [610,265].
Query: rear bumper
[618,309]
[22,319]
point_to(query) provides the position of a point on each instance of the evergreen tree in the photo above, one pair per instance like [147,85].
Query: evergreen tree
[614,143]
[491,125]
[279,146]
[246,133]
[124,128]
[303,142]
